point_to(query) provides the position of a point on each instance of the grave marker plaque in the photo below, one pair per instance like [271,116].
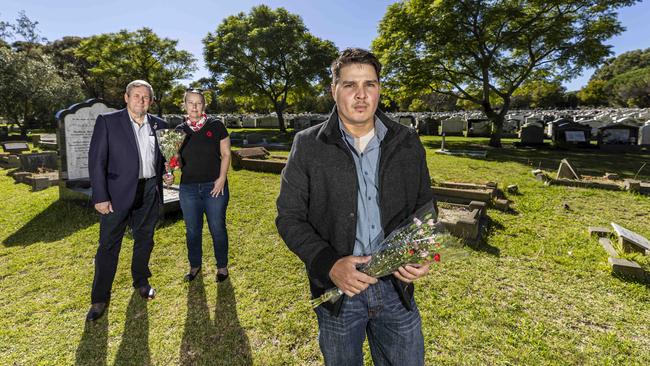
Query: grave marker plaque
[630,240]
[75,128]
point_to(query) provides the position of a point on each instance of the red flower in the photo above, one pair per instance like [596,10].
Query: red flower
[173,162]
[436,257]
[209,133]
[411,251]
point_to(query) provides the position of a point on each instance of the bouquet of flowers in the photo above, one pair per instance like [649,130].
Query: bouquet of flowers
[420,239]
[169,142]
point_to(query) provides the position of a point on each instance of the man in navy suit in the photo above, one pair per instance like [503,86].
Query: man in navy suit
[126,169]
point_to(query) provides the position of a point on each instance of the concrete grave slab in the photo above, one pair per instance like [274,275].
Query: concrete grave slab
[631,241]
[626,268]
[608,246]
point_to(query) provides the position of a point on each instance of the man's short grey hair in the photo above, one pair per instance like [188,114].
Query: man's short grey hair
[137,83]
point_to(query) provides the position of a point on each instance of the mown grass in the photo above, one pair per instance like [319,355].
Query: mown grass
[537,291]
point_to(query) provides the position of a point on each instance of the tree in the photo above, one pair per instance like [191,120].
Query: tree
[32,90]
[627,61]
[476,49]
[631,89]
[115,59]
[620,81]
[63,53]
[266,54]
[538,94]
[594,93]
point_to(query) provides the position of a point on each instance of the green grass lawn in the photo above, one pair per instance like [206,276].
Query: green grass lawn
[537,291]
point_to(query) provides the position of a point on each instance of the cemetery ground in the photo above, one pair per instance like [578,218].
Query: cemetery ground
[537,290]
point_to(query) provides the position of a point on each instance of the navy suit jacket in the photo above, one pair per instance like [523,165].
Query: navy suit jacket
[113,161]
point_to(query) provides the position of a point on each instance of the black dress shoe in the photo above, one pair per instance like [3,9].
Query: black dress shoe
[96,311]
[221,276]
[194,271]
[147,292]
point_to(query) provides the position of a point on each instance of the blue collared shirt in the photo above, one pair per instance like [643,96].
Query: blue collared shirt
[369,231]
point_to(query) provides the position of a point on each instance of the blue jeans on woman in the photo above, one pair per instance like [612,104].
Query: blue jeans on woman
[394,333]
[195,201]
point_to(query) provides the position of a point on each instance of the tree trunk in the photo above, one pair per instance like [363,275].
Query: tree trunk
[497,127]
[278,111]
[160,107]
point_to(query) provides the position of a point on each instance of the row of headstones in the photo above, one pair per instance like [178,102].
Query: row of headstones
[295,121]
[565,131]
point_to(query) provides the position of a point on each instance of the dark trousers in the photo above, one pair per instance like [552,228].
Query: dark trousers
[141,217]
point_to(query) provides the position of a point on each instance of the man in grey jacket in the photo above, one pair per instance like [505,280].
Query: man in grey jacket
[347,183]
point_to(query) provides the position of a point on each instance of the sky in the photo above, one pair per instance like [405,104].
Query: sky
[347,23]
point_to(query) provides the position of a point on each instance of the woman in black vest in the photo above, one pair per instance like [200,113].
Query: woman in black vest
[204,159]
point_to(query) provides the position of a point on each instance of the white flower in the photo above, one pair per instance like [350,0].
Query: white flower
[430,222]
[417,221]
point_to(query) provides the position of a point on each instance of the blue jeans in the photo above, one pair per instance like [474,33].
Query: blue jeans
[195,201]
[394,333]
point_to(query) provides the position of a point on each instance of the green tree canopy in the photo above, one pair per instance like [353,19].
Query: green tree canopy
[115,59]
[625,62]
[539,94]
[631,89]
[476,49]
[32,89]
[266,54]
[620,81]
[594,93]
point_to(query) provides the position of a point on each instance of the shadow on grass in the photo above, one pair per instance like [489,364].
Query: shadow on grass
[134,349]
[630,279]
[58,221]
[488,226]
[588,161]
[169,219]
[94,343]
[222,342]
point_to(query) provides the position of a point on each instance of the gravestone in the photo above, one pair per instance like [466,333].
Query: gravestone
[644,134]
[511,126]
[478,127]
[631,241]
[301,122]
[232,122]
[567,171]
[531,134]
[253,139]
[249,122]
[269,121]
[568,133]
[428,126]
[252,153]
[47,141]
[618,134]
[75,129]
[452,126]
[38,162]
[408,121]
[15,147]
